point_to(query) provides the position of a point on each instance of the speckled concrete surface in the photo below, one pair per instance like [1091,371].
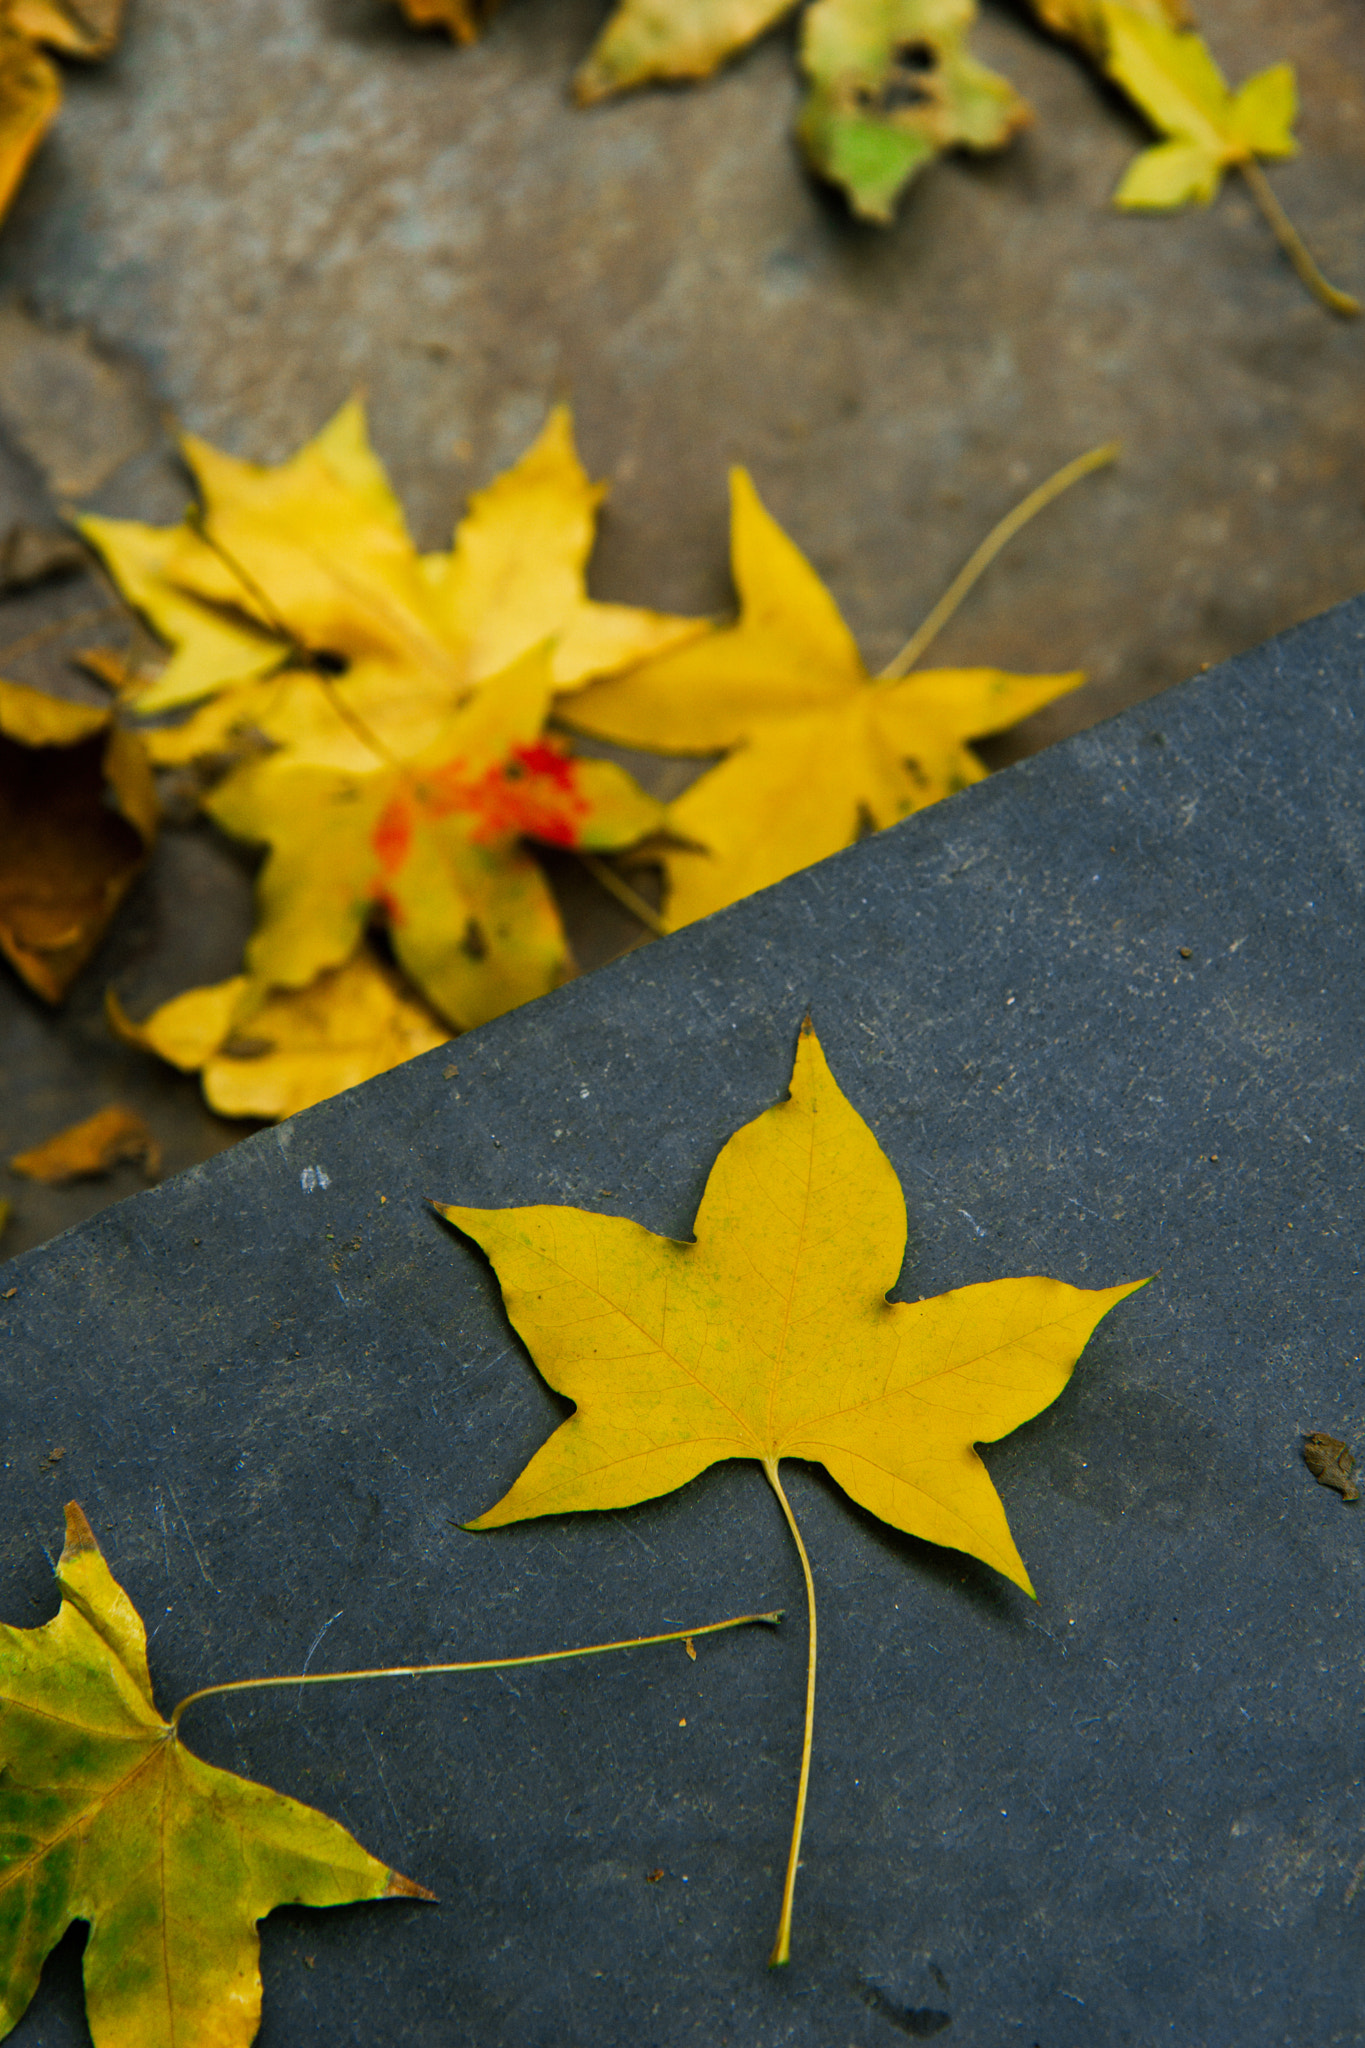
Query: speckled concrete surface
[256,207]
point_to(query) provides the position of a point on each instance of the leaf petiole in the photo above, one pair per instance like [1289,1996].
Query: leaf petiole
[676,1635]
[1293,244]
[977,563]
[782,1945]
[616,885]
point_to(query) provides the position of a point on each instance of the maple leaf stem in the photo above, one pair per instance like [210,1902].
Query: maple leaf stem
[615,885]
[976,564]
[1293,244]
[674,1635]
[782,1945]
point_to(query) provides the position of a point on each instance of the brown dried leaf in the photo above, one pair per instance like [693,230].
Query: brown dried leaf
[1331,1463]
[77,820]
[86,1150]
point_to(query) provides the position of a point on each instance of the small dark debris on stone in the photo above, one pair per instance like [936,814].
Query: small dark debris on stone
[1331,1463]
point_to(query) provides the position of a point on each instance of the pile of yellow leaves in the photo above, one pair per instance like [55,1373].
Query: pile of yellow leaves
[892,84]
[30,84]
[376,720]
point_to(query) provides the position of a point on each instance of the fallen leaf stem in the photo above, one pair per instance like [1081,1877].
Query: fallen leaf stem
[1293,244]
[999,536]
[76,622]
[615,885]
[782,1945]
[675,1635]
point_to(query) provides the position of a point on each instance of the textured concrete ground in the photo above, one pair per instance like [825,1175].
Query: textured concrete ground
[256,207]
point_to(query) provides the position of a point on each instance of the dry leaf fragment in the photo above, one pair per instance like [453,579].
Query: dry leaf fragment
[30,95]
[106,1816]
[893,85]
[465,19]
[770,1336]
[817,748]
[647,40]
[77,820]
[94,1147]
[88,29]
[1331,1463]
[32,554]
[270,1052]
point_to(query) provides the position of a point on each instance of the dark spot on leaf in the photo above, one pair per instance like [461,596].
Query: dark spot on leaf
[904,92]
[917,56]
[327,662]
[474,942]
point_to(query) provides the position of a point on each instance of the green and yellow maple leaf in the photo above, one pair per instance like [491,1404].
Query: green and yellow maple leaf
[106,1816]
[770,1336]
[817,749]
[892,86]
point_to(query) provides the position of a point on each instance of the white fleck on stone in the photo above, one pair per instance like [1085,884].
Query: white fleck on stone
[314,1177]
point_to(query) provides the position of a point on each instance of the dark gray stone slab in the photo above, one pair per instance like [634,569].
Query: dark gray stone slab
[1102,1012]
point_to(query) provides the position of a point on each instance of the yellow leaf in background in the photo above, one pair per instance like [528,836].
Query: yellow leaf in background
[433,844]
[77,819]
[770,1336]
[309,562]
[465,19]
[817,749]
[1172,76]
[893,85]
[106,1817]
[92,1148]
[661,39]
[78,28]
[1083,21]
[270,1053]
[30,95]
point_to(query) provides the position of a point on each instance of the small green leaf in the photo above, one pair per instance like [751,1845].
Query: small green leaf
[893,86]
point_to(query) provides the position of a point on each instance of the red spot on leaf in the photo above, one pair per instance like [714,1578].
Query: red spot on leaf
[392,839]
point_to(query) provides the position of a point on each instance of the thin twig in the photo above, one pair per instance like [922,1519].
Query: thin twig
[782,1945]
[54,631]
[631,899]
[977,563]
[676,1635]
[1293,244]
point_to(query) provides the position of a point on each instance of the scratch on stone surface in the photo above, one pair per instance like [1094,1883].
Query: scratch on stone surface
[203,1569]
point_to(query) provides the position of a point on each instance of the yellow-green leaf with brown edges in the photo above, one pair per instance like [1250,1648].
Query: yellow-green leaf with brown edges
[106,1817]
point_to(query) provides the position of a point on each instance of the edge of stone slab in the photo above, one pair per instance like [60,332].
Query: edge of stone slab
[1327,640]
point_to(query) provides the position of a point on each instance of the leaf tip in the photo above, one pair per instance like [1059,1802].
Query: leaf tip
[400,1887]
[79,1534]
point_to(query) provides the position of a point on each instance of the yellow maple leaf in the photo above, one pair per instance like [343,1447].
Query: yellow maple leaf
[818,749]
[1171,74]
[263,1052]
[107,1817]
[309,565]
[430,843]
[1151,50]
[770,1336]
